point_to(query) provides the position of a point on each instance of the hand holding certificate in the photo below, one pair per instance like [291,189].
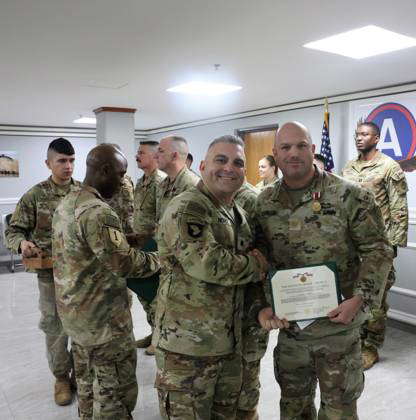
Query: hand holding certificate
[305,293]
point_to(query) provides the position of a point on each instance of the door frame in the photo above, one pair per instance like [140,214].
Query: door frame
[268,127]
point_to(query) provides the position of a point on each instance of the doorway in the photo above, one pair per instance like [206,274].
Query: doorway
[258,142]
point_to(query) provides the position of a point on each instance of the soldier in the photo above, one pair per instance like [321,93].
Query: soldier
[204,242]
[312,217]
[123,201]
[255,338]
[267,172]
[144,220]
[30,233]
[91,292]
[384,177]
[171,158]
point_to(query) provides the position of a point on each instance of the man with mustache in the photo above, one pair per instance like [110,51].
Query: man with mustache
[383,176]
[204,245]
[312,217]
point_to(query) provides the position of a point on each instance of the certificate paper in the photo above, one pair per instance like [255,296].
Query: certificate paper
[305,293]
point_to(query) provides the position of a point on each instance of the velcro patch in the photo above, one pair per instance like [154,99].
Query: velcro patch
[115,236]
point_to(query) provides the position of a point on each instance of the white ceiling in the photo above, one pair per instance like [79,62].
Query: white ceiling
[53,51]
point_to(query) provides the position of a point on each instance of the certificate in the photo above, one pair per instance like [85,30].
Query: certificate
[305,293]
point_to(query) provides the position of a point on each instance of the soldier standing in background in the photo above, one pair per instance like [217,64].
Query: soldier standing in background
[255,338]
[144,220]
[314,217]
[204,242]
[384,177]
[171,158]
[91,293]
[30,233]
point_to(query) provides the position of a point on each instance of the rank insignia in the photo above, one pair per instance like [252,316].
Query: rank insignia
[195,229]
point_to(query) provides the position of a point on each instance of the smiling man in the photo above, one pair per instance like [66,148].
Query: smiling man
[383,176]
[30,233]
[204,242]
[312,217]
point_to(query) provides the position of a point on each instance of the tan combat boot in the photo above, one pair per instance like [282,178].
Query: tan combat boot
[144,342]
[63,393]
[369,357]
[247,415]
[150,351]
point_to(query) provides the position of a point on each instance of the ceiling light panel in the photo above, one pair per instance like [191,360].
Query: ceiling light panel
[363,42]
[203,88]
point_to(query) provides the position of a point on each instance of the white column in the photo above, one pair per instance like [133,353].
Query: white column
[116,125]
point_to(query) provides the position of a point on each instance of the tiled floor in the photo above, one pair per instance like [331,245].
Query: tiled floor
[26,384]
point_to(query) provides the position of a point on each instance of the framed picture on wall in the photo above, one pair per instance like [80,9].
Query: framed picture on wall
[9,164]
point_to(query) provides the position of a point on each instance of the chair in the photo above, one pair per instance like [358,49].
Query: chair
[5,220]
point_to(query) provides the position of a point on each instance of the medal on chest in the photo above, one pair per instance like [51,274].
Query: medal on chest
[316,205]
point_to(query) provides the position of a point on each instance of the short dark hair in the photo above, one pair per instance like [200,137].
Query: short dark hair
[374,126]
[190,157]
[227,139]
[319,157]
[61,145]
[149,143]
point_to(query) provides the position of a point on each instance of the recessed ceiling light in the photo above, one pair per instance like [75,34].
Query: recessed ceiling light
[203,88]
[85,120]
[363,42]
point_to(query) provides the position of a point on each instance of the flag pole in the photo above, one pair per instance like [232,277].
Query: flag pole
[326,114]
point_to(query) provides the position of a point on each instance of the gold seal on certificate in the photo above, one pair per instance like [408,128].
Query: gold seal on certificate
[305,293]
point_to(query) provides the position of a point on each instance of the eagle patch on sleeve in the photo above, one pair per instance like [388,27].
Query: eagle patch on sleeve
[195,230]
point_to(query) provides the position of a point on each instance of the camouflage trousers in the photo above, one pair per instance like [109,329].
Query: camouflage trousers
[250,391]
[150,309]
[197,388]
[373,331]
[334,361]
[59,357]
[106,379]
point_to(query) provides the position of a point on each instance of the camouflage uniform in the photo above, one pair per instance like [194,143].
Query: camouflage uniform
[32,221]
[168,189]
[347,228]
[384,177]
[122,203]
[199,306]
[255,339]
[145,202]
[91,296]
[263,184]
[144,220]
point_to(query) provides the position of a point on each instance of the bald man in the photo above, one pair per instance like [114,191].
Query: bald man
[312,217]
[91,292]
[171,158]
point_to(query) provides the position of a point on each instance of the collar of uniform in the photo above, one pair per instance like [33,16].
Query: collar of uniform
[56,188]
[281,194]
[178,176]
[147,179]
[366,164]
[92,190]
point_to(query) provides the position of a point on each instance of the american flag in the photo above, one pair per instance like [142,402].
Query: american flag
[326,148]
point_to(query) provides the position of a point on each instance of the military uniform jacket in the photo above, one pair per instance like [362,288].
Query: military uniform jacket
[168,189]
[32,218]
[255,338]
[384,177]
[122,203]
[262,184]
[145,202]
[200,297]
[347,229]
[92,259]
